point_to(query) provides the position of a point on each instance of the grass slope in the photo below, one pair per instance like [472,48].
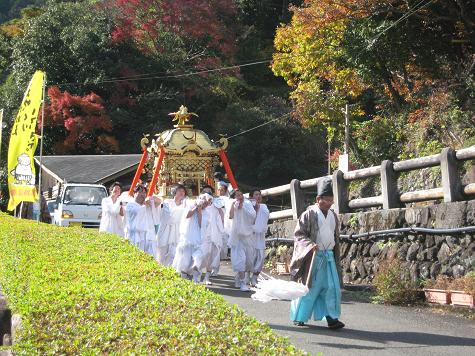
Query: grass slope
[79,291]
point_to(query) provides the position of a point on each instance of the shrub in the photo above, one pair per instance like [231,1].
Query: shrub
[466,283]
[80,291]
[441,282]
[393,284]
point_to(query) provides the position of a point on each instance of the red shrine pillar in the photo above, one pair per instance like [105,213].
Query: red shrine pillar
[139,171]
[153,183]
[227,168]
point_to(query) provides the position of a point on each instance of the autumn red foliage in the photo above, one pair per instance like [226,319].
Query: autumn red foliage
[146,21]
[84,119]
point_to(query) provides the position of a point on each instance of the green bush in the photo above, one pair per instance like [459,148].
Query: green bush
[393,285]
[82,292]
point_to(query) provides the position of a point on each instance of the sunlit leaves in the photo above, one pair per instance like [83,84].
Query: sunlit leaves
[85,121]
[309,58]
[83,292]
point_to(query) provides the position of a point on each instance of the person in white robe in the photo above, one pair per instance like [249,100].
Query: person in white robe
[169,231]
[259,233]
[153,208]
[189,255]
[112,212]
[212,236]
[243,215]
[136,218]
[223,200]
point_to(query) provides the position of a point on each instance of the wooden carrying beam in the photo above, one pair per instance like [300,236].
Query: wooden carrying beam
[139,171]
[227,168]
[156,172]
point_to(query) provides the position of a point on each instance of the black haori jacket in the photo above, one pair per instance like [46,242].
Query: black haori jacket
[305,237]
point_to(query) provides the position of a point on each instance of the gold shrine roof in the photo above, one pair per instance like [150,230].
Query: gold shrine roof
[185,138]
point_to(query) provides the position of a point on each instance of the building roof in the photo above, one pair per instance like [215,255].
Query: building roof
[89,168]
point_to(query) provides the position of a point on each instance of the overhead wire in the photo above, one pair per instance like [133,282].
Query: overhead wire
[258,126]
[172,75]
[149,76]
[411,11]
[370,42]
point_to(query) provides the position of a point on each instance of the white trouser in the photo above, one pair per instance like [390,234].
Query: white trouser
[242,255]
[211,256]
[259,255]
[166,254]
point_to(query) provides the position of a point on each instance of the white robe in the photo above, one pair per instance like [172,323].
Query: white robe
[227,202]
[152,219]
[136,224]
[259,237]
[168,234]
[326,231]
[188,251]
[111,221]
[212,235]
[240,239]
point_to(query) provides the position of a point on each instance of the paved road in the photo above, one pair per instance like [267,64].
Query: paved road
[370,329]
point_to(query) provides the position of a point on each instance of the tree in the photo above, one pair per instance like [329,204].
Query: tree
[309,53]
[275,153]
[69,42]
[73,45]
[179,31]
[81,120]
[10,9]
[4,54]
[386,57]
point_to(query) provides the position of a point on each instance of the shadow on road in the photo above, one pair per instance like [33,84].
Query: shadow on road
[415,338]
[232,292]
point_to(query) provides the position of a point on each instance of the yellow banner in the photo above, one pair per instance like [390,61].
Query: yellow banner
[23,141]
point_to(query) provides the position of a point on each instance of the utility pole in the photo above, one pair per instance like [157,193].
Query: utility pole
[347,130]
[343,160]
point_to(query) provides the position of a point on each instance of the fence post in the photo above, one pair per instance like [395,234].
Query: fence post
[389,186]
[297,198]
[451,184]
[340,192]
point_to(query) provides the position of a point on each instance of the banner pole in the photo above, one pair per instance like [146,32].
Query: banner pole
[41,146]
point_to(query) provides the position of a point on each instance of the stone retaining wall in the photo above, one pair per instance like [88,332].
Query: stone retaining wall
[424,255]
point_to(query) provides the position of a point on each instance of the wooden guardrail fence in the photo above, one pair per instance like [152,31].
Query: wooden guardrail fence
[452,189]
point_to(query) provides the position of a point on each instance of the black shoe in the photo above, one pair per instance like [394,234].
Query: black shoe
[336,324]
[299,323]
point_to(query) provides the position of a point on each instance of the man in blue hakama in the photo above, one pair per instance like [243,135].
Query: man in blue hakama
[317,231]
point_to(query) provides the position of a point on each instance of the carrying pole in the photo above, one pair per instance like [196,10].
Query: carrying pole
[139,171]
[156,173]
[41,145]
[227,168]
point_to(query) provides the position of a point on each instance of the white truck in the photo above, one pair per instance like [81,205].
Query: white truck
[79,204]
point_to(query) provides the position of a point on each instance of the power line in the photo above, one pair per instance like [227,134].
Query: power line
[411,11]
[173,76]
[258,126]
[149,76]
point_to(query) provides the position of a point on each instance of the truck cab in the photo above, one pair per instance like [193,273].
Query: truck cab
[79,204]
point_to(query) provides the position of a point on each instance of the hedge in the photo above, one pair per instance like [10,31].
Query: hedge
[79,291]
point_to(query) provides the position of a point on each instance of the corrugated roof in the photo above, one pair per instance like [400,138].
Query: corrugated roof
[89,168]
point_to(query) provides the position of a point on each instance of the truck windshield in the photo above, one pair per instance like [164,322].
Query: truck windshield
[84,195]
